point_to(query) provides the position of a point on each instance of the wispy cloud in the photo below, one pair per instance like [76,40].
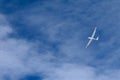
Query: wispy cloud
[19,57]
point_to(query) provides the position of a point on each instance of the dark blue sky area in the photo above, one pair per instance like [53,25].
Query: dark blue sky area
[11,6]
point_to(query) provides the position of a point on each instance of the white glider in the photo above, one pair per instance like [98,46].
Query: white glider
[92,37]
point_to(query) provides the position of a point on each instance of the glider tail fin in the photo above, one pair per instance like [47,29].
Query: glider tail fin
[97,38]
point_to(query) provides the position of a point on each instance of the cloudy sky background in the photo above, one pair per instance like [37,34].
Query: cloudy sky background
[46,39]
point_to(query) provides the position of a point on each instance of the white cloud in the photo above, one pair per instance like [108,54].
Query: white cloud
[72,72]
[19,57]
[13,52]
[78,72]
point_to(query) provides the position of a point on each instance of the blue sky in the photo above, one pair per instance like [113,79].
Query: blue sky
[46,39]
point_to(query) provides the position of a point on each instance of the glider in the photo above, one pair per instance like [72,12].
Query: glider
[92,37]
